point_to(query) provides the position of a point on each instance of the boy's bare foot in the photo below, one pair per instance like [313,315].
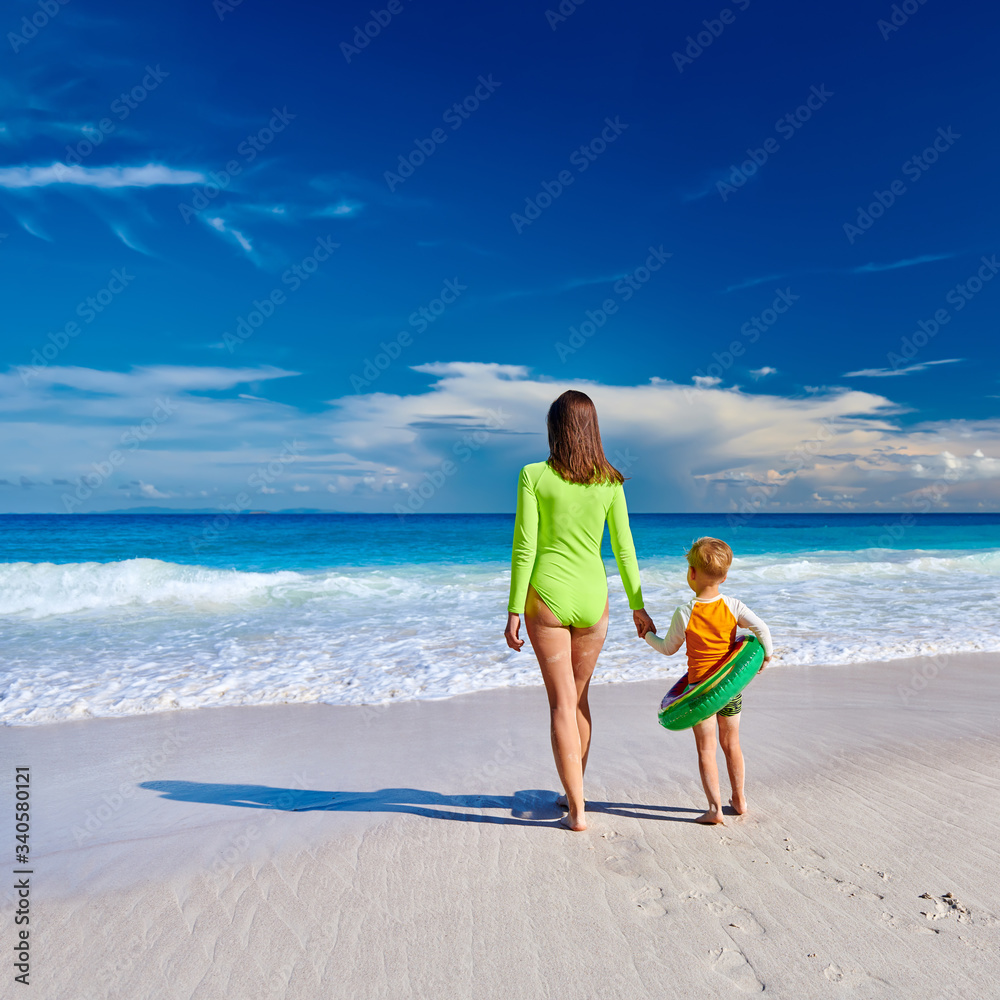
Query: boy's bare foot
[711,817]
[576,825]
[739,804]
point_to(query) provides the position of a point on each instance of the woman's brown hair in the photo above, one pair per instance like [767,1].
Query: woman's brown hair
[575,449]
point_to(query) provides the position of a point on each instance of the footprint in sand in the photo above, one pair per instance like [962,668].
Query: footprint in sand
[850,977]
[744,920]
[708,891]
[733,965]
[875,871]
[647,901]
[629,857]
[841,885]
[621,865]
[701,883]
[625,857]
[891,920]
[793,847]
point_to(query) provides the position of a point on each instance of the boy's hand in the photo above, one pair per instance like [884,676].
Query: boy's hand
[767,660]
[643,623]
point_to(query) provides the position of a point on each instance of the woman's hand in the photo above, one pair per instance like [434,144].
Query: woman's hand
[767,660]
[643,623]
[510,633]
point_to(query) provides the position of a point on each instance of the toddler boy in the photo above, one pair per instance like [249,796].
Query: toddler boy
[707,625]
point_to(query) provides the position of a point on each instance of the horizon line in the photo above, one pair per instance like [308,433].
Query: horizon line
[748,516]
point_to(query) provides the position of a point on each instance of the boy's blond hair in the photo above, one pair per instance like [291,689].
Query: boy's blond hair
[710,555]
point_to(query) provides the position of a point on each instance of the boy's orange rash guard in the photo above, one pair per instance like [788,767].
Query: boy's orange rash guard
[557,545]
[709,630]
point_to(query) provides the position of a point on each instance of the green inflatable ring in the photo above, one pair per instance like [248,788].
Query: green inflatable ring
[682,709]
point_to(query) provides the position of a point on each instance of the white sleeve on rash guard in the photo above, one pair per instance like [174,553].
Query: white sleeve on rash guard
[745,618]
[675,634]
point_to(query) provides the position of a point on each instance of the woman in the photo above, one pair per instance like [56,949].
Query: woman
[558,580]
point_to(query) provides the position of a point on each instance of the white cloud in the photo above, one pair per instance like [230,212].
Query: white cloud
[908,370]
[33,229]
[221,226]
[907,262]
[688,448]
[469,430]
[706,381]
[150,175]
[341,210]
[944,466]
[140,382]
[129,241]
[763,372]
[869,268]
[751,282]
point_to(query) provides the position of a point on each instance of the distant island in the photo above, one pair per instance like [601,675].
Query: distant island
[211,510]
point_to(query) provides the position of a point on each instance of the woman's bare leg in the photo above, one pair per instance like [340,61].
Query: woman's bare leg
[708,768]
[587,644]
[565,683]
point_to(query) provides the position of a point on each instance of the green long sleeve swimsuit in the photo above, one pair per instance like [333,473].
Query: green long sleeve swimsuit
[557,545]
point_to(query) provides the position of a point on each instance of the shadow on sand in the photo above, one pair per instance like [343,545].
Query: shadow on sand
[530,807]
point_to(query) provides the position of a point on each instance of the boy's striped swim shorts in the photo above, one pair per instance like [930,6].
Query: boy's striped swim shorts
[733,707]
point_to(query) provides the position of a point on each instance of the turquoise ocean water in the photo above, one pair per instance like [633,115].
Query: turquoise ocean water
[124,614]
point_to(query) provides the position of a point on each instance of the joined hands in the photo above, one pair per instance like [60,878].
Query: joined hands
[643,623]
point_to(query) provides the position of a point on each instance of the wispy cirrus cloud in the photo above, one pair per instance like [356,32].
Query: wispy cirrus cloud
[18,130]
[344,187]
[343,209]
[908,370]
[219,225]
[148,175]
[869,268]
[751,282]
[896,264]
[463,245]
[32,228]
[564,286]
[123,234]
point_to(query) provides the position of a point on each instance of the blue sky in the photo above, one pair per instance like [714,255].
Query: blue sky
[670,208]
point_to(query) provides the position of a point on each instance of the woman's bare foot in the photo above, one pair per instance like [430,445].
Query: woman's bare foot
[711,817]
[576,825]
[564,804]
[739,804]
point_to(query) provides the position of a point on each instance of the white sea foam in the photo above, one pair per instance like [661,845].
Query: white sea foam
[143,635]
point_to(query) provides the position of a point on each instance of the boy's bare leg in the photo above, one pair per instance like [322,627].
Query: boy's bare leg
[704,738]
[729,737]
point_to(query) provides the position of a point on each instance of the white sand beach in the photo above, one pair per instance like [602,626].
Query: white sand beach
[413,850]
